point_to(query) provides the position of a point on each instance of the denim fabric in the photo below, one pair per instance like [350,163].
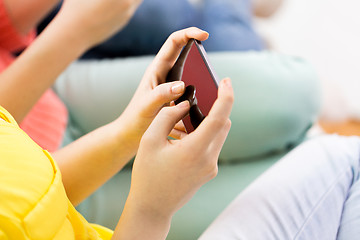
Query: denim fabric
[229,23]
[312,193]
[148,29]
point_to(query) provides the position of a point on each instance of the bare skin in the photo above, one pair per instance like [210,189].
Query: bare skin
[70,34]
[168,165]
[143,127]
[266,8]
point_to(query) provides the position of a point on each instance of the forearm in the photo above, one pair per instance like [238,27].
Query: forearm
[65,39]
[35,70]
[27,14]
[93,159]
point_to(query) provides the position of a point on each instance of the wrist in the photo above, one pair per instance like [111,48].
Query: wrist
[128,133]
[139,222]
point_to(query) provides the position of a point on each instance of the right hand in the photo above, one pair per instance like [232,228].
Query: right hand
[96,20]
[166,173]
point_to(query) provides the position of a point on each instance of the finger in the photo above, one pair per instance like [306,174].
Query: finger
[165,121]
[179,131]
[223,104]
[177,134]
[219,140]
[161,95]
[218,115]
[171,49]
[180,126]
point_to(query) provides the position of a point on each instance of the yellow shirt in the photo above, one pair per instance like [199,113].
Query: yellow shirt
[33,202]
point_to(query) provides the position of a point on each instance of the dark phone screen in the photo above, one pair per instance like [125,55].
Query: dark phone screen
[198,72]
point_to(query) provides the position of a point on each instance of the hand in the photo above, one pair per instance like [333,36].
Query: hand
[96,20]
[153,93]
[166,173]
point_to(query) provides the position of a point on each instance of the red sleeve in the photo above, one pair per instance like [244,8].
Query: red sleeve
[5,59]
[10,38]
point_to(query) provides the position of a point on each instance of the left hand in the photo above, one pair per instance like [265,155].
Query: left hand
[153,93]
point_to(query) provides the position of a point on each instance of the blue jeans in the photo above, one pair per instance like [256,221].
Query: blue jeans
[229,23]
[312,193]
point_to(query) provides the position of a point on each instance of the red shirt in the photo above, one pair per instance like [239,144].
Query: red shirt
[46,122]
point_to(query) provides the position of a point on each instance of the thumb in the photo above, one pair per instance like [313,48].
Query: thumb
[163,94]
[166,120]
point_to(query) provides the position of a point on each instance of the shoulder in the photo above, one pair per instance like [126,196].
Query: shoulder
[31,189]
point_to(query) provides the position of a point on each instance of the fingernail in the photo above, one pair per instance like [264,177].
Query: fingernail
[183,104]
[178,88]
[227,82]
[207,33]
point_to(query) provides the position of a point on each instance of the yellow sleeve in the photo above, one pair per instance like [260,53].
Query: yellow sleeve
[104,233]
[34,205]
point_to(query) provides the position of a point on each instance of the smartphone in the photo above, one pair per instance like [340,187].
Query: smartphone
[201,82]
